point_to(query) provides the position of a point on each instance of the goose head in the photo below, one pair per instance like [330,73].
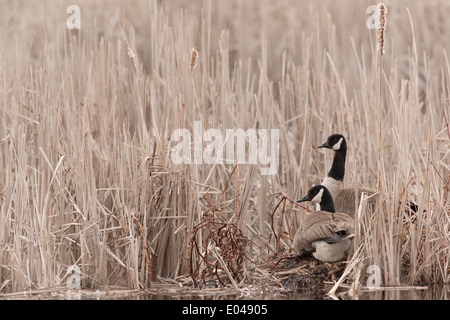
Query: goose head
[335,142]
[319,194]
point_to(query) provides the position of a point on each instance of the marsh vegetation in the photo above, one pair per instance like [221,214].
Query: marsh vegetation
[86,117]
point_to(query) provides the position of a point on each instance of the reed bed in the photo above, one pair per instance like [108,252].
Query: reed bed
[86,117]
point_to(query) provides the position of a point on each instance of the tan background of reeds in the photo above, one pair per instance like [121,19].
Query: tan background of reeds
[86,176]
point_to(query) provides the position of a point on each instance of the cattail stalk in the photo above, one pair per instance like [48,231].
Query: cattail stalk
[380,48]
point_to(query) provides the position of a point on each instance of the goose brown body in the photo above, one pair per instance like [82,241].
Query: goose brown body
[347,199]
[322,225]
[326,234]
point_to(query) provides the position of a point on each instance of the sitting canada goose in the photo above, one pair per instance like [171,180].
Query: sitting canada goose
[325,233]
[345,199]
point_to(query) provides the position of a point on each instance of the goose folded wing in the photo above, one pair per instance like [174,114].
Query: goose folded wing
[321,231]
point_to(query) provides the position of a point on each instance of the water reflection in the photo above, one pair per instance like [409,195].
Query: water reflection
[431,293]
[436,292]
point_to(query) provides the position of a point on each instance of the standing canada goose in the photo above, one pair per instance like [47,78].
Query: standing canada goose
[325,233]
[345,199]
[335,177]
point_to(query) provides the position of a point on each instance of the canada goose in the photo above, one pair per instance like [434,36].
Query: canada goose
[345,199]
[325,233]
[335,177]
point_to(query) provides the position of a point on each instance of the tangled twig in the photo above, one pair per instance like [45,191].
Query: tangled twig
[280,253]
[218,246]
[221,250]
[221,253]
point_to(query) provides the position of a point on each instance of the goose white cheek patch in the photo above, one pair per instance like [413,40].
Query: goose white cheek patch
[318,197]
[337,146]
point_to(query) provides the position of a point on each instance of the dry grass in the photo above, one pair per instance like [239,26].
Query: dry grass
[86,175]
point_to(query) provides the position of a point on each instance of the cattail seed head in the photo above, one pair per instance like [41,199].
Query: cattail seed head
[381,27]
[194,56]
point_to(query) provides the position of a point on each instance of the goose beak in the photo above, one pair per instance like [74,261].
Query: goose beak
[305,198]
[325,145]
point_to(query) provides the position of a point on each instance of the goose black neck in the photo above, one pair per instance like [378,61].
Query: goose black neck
[337,170]
[327,203]
[328,207]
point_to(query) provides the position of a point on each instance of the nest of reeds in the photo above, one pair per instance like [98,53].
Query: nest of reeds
[218,247]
